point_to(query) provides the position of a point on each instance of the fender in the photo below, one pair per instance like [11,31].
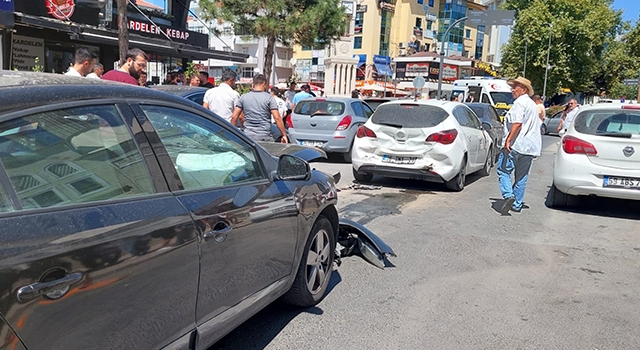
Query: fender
[371,247]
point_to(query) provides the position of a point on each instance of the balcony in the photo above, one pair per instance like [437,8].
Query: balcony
[252,60]
[246,40]
[283,63]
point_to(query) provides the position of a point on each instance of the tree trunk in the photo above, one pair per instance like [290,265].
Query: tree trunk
[123,30]
[268,57]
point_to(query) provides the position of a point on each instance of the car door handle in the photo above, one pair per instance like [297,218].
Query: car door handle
[38,289]
[219,233]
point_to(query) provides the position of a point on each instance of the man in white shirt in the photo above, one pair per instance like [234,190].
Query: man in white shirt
[567,116]
[522,143]
[83,64]
[289,94]
[222,99]
[98,70]
[282,105]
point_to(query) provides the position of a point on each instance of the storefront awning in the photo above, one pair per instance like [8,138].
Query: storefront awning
[383,69]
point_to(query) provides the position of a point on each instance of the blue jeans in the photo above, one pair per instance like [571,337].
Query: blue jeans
[507,163]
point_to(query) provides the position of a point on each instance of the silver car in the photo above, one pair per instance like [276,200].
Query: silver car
[328,123]
[550,124]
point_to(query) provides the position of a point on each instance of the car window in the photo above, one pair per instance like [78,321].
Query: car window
[367,110]
[485,99]
[197,97]
[613,121]
[357,109]
[480,111]
[319,107]
[461,116]
[74,155]
[409,115]
[204,153]
[493,115]
[475,123]
[5,204]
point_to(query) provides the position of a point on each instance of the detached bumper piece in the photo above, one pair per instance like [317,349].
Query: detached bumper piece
[355,239]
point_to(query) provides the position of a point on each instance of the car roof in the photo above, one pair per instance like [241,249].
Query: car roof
[479,104]
[20,90]
[446,105]
[614,105]
[180,90]
[331,99]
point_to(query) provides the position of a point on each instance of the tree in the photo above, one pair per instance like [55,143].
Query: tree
[304,22]
[123,30]
[580,29]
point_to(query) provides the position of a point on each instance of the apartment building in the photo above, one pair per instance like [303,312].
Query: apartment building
[499,35]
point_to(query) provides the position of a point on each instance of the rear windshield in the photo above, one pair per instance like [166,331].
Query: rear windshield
[319,107]
[610,122]
[409,115]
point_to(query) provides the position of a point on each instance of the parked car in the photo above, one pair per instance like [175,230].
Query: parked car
[126,219]
[328,123]
[428,140]
[196,94]
[374,102]
[488,114]
[600,155]
[551,123]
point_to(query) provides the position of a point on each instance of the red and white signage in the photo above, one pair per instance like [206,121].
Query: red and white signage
[450,72]
[152,29]
[60,9]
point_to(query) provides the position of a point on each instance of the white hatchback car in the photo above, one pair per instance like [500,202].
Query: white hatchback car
[599,155]
[429,140]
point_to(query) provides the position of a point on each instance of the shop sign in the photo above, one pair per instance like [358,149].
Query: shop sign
[417,69]
[159,31]
[25,50]
[487,68]
[450,72]
[60,9]
[6,5]
[387,6]
[361,8]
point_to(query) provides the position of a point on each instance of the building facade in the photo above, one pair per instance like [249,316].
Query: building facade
[499,35]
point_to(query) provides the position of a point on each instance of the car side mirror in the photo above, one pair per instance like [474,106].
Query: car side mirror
[292,168]
[486,126]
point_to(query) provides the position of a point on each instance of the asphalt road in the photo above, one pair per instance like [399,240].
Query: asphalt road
[467,277]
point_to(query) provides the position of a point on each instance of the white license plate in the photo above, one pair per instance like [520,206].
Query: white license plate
[312,143]
[624,182]
[399,160]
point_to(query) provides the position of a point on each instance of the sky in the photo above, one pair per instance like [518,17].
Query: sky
[631,9]
[161,2]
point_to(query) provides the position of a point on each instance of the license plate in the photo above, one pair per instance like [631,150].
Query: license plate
[399,160]
[624,182]
[312,143]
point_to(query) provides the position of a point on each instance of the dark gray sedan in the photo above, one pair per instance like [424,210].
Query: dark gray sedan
[488,114]
[135,219]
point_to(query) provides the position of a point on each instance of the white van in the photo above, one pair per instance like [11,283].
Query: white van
[486,90]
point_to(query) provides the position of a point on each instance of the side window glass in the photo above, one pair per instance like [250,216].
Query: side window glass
[74,155]
[357,109]
[367,110]
[5,204]
[485,98]
[475,123]
[204,153]
[197,98]
[461,117]
[493,115]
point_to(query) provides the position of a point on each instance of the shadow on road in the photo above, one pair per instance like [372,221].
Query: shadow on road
[417,186]
[258,331]
[600,206]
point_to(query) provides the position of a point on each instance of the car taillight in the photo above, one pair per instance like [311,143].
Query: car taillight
[444,137]
[573,145]
[290,122]
[344,123]
[363,131]
[634,106]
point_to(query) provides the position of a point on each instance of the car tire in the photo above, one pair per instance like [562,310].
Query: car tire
[558,199]
[488,164]
[316,265]
[457,183]
[543,129]
[361,177]
[347,157]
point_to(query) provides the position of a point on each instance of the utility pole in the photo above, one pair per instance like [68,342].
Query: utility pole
[446,33]
[524,70]
[546,69]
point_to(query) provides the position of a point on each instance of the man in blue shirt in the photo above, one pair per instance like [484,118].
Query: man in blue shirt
[304,93]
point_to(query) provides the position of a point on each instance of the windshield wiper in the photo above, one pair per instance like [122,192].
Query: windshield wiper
[390,124]
[318,113]
[624,135]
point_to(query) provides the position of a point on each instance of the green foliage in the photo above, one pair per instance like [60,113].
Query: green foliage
[191,70]
[243,88]
[581,30]
[37,67]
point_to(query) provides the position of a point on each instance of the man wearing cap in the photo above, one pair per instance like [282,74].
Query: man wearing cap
[522,143]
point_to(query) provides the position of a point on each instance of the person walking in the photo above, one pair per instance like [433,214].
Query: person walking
[258,106]
[130,70]
[84,61]
[567,116]
[98,70]
[522,142]
[222,99]
[541,111]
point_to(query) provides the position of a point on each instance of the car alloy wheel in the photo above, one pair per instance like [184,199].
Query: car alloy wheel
[488,163]
[543,129]
[457,183]
[318,263]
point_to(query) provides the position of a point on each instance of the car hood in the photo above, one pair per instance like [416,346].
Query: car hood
[307,153]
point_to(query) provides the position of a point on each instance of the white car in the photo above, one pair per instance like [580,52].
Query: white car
[429,140]
[599,155]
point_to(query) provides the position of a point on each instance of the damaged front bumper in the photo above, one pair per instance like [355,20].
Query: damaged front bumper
[354,238]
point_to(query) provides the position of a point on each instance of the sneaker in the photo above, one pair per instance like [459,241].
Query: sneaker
[508,204]
[516,210]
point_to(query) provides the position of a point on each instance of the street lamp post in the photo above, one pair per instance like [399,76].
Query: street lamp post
[524,70]
[546,68]
[446,33]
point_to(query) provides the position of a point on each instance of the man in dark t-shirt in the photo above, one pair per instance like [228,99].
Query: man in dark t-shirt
[130,71]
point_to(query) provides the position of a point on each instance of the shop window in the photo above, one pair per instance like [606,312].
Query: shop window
[357,42]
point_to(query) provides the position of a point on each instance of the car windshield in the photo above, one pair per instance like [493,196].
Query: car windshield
[502,97]
[315,107]
[613,122]
[409,115]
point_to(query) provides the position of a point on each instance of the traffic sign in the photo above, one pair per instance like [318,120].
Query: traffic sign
[418,82]
[491,18]
[631,82]
[425,7]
